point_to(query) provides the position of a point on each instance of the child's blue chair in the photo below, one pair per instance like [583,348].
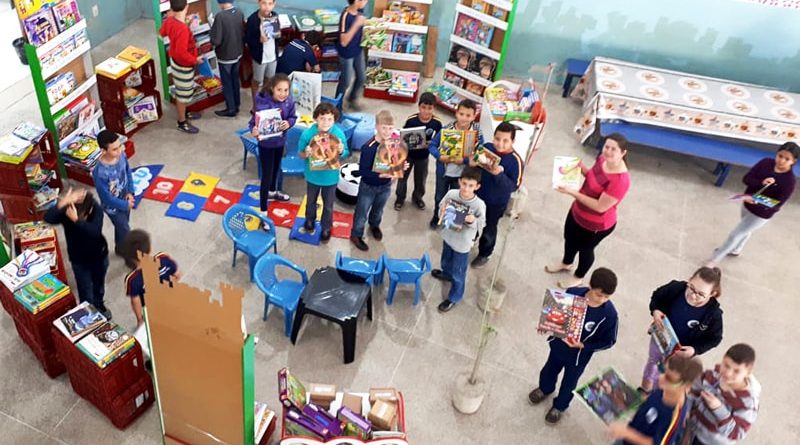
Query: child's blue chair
[364,131]
[336,102]
[371,270]
[406,271]
[282,293]
[243,225]
[250,146]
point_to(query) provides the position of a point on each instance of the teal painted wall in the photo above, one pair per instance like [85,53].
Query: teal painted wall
[113,15]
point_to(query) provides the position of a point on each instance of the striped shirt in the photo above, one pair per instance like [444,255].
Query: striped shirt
[730,422]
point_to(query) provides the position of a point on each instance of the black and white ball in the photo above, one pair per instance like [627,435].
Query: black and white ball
[349,180]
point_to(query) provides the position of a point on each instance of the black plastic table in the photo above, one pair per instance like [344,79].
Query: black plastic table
[337,296]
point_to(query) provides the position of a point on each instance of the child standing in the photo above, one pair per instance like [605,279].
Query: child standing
[418,159]
[274,95]
[599,332]
[374,190]
[321,181]
[82,219]
[724,401]
[660,419]
[457,242]
[139,241]
[182,59]
[298,55]
[261,45]
[497,185]
[348,45]
[448,170]
[114,184]
[227,36]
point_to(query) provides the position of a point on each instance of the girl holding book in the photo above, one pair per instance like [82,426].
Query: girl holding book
[692,309]
[769,183]
[273,100]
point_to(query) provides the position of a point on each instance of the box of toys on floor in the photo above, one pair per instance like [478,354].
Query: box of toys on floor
[508,101]
[317,413]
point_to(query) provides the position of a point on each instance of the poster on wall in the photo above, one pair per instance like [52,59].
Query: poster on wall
[306,91]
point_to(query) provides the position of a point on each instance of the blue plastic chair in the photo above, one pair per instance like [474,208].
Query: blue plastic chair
[371,270]
[336,102]
[250,146]
[256,242]
[406,271]
[282,293]
[364,131]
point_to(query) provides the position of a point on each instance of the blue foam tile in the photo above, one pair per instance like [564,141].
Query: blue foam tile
[250,195]
[186,206]
[298,232]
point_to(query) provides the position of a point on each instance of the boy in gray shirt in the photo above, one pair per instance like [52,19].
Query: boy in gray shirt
[227,36]
[463,216]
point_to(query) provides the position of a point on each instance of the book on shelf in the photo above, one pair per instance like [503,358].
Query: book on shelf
[60,87]
[457,143]
[106,343]
[291,391]
[485,158]
[324,153]
[473,30]
[41,293]
[374,33]
[66,122]
[26,8]
[145,110]
[665,337]
[453,215]
[40,27]
[79,321]
[399,12]
[14,150]
[23,270]
[45,197]
[112,68]
[354,425]
[135,57]
[134,80]
[562,314]
[390,159]
[66,14]
[404,83]
[608,396]
[34,232]
[415,138]
[268,123]
[82,148]
[567,172]
[29,131]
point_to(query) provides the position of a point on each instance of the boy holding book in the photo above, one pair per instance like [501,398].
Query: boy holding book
[80,215]
[498,182]
[724,400]
[448,170]
[139,241]
[418,159]
[260,42]
[182,59]
[114,184]
[227,36]
[374,190]
[599,332]
[660,419]
[457,241]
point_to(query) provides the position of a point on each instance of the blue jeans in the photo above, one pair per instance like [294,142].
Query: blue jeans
[328,193]
[549,375]
[91,281]
[121,226]
[454,267]
[443,185]
[371,200]
[348,68]
[229,75]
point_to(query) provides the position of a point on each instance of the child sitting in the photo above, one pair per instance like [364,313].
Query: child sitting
[459,234]
[418,159]
[275,95]
[599,332]
[497,185]
[448,170]
[724,401]
[322,180]
[114,184]
[660,419]
[374,190]
[139,241]
[299,55]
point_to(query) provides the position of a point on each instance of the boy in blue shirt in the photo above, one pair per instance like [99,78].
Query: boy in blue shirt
[139,241]
[114,184]
[298,55]
[348,45]
[497,185]
[599,332]
[418,159]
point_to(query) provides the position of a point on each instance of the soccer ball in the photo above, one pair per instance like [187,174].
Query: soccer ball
[349,180]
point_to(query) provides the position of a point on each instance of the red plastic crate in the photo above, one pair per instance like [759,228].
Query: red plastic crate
[384,95]
[49,359]
[125,408]
[40,325]
[6,299]
[110,90]
[114,115]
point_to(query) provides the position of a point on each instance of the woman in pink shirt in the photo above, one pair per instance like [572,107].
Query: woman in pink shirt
[593,215]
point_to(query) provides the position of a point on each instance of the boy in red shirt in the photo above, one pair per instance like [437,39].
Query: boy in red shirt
[183,59]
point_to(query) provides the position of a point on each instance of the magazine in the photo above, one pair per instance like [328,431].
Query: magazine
[562,314]
[457,143]
[608,396]
[79,321]
[23,270]
[66,14]
[106,343]
[145,110]
[268,123]
[391,158]
[665,338]
[292,392]
[485,158]
[325,150]
[415,138]
[453,215]
[29,131]
[41,293]
[567,172]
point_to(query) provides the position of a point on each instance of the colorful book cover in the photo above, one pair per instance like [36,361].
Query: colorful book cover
[263,417]
[22,270]
[66,124]
[567,172]
[79,321]
[562,314]
[325,150]
[390,158]
[374,33]
[106,343]
[486,159]
[66,14]
[60,86]
[608,396]
[462,57]
[271,28]
[81,148]
[41,293]
[40,27]
[765,201]
[136,57]
[404,82]
[453,215]
[665,337]
[354,425]
[452,144]
[467,27]
[268,123]
[145,110]
[400,43]
[297,424]
[415,138]
[416,45]
[29,131]
[34,232]
[25,8]
[483,35]
[112,68]
[291,391]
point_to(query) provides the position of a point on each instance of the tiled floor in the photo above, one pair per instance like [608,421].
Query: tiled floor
[669,223]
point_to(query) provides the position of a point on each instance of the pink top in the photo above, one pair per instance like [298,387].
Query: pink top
[598,182]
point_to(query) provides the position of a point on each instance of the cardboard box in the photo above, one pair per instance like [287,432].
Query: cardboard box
[382,415]
[388,394]
[353,401]
[321,394]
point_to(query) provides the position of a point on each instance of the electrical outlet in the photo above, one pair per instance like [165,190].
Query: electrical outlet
[95,11]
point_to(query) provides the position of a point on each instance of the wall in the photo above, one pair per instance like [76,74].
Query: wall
[114,15]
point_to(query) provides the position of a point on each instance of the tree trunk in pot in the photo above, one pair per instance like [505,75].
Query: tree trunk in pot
[468,397]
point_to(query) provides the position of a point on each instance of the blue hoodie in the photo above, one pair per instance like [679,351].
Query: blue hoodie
[265,102]
[599,331]
[496,190]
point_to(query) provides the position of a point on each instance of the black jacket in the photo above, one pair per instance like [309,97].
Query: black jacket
[85,241]
[704,336]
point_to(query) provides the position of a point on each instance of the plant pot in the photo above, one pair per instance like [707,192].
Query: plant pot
[467,397]
[498,294]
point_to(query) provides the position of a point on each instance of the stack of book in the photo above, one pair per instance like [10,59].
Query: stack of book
[79,321]
[42,293]
[263,419]
[13,149]
[135,57]
[39,237]
[113,68]
[106,343]
[404,83]
[23,270]
[82,153]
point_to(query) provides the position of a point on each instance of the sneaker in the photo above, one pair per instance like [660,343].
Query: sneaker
[107,313]
[279,196]
[359,243]
[186,127]
[537,396]
[376,233]
[479,261]
[553,416]
[439,275]
[420,204]
[735,253]
[445,306]
[308,226]
[326,235]
[225,113]
[398,205]
[192,115]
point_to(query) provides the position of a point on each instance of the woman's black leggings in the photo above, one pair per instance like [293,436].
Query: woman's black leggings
[580,241]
